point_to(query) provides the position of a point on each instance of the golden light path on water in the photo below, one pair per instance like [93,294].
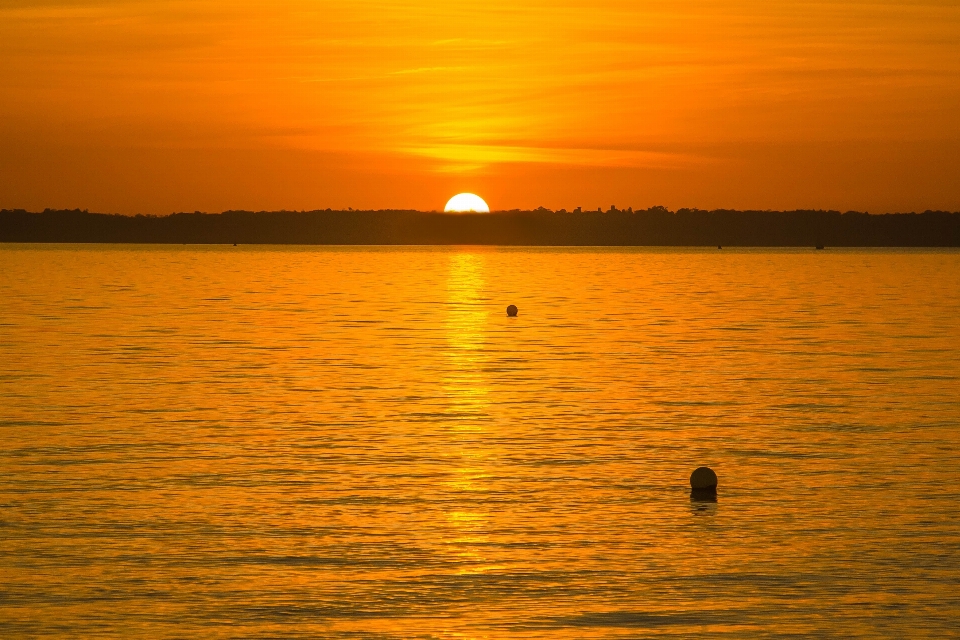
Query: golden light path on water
[352,442]
[466,389]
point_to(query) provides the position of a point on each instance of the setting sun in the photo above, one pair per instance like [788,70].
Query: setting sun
[466,202]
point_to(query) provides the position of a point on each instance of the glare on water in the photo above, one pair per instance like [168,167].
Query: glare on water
[358,442]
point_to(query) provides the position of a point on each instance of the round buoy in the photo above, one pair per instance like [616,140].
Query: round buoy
[512,311]
[703,479]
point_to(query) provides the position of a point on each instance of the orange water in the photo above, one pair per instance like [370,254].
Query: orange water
[358,442]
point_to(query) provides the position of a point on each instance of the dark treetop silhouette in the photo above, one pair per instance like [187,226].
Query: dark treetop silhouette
[653,227]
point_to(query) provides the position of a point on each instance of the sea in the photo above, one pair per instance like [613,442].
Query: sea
[358,442]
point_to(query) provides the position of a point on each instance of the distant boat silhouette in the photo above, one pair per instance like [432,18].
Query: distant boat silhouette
[819,247]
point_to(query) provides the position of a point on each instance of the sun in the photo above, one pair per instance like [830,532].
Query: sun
[464,202]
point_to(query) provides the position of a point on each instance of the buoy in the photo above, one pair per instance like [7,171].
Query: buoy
[512,311]
[819,247]
[703,479]
[719,247]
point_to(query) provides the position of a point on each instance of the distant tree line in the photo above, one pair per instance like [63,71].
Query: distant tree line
[656,226]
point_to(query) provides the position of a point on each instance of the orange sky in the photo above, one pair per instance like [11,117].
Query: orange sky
[154,105]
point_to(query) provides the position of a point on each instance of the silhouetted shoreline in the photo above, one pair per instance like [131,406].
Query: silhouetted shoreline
[651,227]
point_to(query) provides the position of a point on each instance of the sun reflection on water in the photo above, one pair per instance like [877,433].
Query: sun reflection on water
[465,326]
[466,388]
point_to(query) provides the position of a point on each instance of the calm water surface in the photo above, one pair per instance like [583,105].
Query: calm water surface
[357,442]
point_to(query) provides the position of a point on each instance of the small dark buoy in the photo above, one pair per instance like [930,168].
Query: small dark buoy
[703,481]
[234,244]
[819,247]
[719,247]
[512,311]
